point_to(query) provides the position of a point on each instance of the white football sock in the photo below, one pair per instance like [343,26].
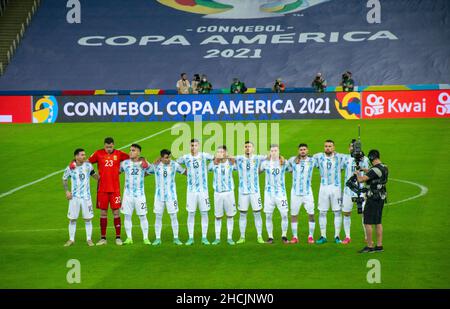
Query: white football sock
[284,225]
[243,223]
[337,223]
[323,223]
[158,226]
[88,230]
[269,225]
[347,224]
[258,223]
[294,227]
[174,221]
[312,227]
[128,226]
[190,223]
[204,223]
[72,229]
[230,224]
[144,226]
[218,227]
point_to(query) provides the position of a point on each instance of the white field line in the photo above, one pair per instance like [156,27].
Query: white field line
[60,171]
[423,191]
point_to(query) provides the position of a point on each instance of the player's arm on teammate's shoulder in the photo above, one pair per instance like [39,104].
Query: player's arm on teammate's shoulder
[144,162]
[180,160]
[123,155]
[93,158]
[210,157]
[232,160]
[180,170]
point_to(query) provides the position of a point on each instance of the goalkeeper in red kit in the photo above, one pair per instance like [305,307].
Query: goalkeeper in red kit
[108,163]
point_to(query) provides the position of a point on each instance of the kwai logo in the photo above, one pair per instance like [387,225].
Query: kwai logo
[241,9]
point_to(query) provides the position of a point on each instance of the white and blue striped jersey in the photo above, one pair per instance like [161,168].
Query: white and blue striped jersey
[166,189]
[196,166]
[330,168]
[248,169]
[349,166]
[79,178]
[223,176]
[301,175]
[134,178]
[275,184]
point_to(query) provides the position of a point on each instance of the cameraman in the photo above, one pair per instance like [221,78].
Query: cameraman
[278,87]
[376,179]
[347,83]
[194,83]
[204,86]
[319,83]
[237,86]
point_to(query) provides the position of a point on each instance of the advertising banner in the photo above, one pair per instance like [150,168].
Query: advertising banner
[406,104]
[15,109]
[214,107]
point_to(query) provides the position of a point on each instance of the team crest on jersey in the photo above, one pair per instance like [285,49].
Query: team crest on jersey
[115,157]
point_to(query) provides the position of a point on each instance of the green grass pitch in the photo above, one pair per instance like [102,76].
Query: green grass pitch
[33,226]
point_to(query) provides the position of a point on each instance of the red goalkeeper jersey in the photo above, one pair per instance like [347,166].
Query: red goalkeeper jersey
[108,169]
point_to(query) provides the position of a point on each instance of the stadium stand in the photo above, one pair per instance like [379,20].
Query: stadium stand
[15,16]
[147,44]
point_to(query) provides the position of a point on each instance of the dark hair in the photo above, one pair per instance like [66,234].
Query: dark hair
[137,146]
[303,145]
[373,154]
[274,145]
[165,152]
[222,147]
[77,151]
[182,74]
[194,140]
[109,140]
[248,142]
[329,141]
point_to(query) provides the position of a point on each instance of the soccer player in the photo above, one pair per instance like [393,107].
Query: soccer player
[197,192]
[301,194]
[134,193]
[330,165]
[224,201]
[349,166]
[275,192]
[165,170]
[108,161]
[80,195]
[248,168]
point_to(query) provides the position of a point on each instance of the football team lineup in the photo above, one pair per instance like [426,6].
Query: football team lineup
[27,233]
[423,191]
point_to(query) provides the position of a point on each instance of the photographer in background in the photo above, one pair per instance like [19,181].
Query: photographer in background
[347,83]
[183,85]
[319,83]
[278,87]
[194,83]
[237,86]
[375,178]
[204,86]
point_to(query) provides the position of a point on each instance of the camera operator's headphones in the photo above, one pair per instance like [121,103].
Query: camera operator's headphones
[373,154]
